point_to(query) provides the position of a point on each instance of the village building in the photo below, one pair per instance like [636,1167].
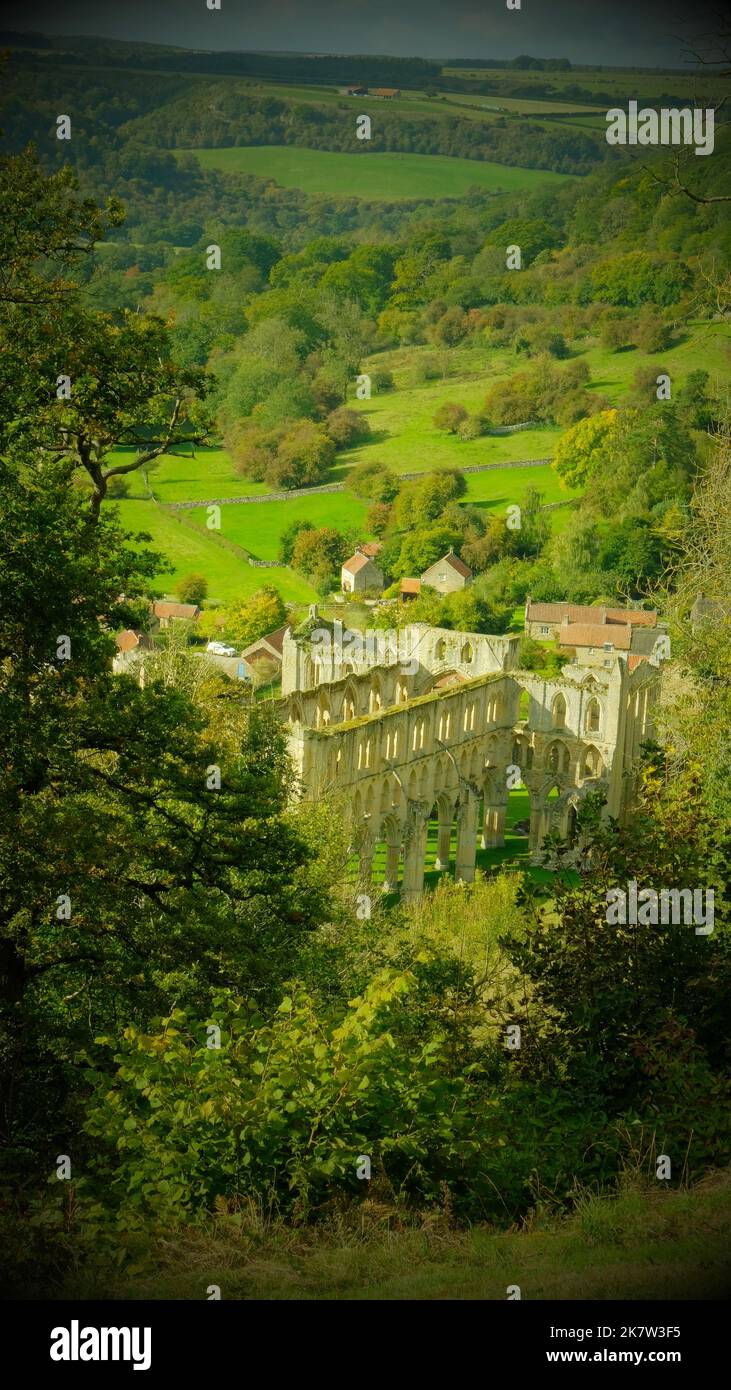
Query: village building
[265,653]
[409,589]
[130,645]
[545,621]
[387,93]
[360,573]
[355,91]
[447,575]
[165,613]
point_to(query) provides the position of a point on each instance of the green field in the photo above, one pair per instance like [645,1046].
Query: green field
[229,576]
[258,526]
[391,177]
[404,438]
[402,431]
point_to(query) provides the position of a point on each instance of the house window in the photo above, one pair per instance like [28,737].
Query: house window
[609,646]
[545,631]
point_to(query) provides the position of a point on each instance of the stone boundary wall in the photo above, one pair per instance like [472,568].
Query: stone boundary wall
[331,487]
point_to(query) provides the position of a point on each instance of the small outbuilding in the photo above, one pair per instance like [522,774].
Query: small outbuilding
[448,575]
[360,573]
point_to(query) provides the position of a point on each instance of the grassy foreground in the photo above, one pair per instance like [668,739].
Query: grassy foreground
[645,1243]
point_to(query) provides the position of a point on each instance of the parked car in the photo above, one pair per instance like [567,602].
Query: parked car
[221,649]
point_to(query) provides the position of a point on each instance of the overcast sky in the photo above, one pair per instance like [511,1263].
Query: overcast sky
[627,32]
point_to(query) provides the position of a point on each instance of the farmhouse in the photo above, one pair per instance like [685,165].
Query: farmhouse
[545,621]
[448,574]
[359,573]
[355,91]
[387,93]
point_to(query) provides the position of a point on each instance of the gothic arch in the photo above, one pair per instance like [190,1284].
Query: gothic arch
[591,762]
[558,758]
[374,695]
[558,712]
[593,716]
[295,712]
[322,713]
[350,701]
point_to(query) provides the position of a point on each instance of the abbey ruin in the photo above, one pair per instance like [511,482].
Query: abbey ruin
[435,724]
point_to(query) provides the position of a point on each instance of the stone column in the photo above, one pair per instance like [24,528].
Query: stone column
[390,882]
[466,839]
[366,851]
[537,832]
[414,850]
[493,828]
[444,836]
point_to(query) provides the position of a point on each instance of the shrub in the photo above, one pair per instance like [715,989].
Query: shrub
[449,417]
[118,486]
[346,427]
[192,588]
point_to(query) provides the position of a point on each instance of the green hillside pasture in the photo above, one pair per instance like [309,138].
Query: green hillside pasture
[404,438]
[258,526]
[229,577]
[402,431]
[190,478]
[390,176]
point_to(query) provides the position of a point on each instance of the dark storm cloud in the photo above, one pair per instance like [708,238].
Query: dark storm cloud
[642,32]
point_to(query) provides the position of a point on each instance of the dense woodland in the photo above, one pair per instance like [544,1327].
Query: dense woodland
[139,910]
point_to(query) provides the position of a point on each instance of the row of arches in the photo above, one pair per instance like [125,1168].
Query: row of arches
[449,835]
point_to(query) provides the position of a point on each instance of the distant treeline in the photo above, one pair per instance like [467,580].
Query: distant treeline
[523,61]
[295,67]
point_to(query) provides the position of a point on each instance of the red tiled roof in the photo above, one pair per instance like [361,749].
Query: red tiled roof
[596,635]
[272,642]
[633,661]
[371,548]
[127,640]
[276,638]
[410,586]
[455,562]
[636,617]
[588,613]
[162,609]
[356,563]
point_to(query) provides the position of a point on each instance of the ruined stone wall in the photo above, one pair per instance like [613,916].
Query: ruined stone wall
[400,748]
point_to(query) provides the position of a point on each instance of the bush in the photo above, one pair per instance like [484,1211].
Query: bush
[472,427]
[118,486]
[449,417]
[382,379]
[303,459]
[373,481]
[651,332]
[192,588]
[346,427]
